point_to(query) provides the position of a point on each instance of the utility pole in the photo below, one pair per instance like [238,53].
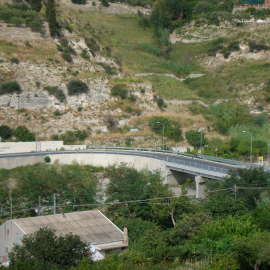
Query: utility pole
[10,202]
[54,203]
[235,191]
[251,147]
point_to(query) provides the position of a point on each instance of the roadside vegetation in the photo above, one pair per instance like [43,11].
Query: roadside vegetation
[229,229]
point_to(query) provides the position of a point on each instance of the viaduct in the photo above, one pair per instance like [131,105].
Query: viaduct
[174,167]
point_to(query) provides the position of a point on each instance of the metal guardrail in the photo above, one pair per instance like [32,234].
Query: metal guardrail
[199,156]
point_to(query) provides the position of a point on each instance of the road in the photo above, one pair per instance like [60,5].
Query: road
[205,166]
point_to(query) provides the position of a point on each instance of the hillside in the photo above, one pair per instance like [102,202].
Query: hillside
[131,77]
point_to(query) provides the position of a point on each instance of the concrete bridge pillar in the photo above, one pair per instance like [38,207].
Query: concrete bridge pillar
[199,187]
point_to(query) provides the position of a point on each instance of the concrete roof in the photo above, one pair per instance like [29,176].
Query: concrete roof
[92,226]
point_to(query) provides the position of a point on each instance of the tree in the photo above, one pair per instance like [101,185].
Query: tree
[45,250]
[5,132]
[23,134]
[35,4]
[127,184]
[10,88]
[248,177]
[51,18]
[166,127]
[254,252]
[76,87]
[195,138]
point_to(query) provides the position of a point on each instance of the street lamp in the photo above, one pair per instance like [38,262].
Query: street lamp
[163,129]
[201,138]
[251,145]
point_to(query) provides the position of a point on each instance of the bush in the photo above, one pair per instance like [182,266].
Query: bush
[14,60]
[21,14]
[195,138]
[10,88]
[169,128]
[71,137]
[67,57]
[47,159]
[120,90]
[56,92]
[255,47]
[80,2]
[150,49]
[77,87]
[5,132]
[92,45]
[23,134]
[108,69]
[105,3]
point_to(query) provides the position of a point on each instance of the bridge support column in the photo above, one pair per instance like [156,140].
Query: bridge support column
[199,187]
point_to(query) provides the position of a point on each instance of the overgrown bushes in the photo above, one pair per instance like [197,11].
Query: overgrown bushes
[10,87]
[120,90]
[195,138]
[77,87]
[21,14]
[80,2]
[56,92]
[23,134]
[164,126]
[5,132]
[71,137]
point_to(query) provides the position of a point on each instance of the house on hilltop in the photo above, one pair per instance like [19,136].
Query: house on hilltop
[94,228]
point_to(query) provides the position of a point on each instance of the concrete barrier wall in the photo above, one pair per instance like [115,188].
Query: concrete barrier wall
[21,147]
[13,162]
[105,160]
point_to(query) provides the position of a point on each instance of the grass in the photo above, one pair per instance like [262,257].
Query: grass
[171,88]
[124,35]
[7,47]
[231,80]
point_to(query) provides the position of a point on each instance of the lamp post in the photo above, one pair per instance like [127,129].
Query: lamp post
[201,138]
[163,129]
[251,145]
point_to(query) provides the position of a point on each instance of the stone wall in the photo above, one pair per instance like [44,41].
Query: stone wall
[21,147]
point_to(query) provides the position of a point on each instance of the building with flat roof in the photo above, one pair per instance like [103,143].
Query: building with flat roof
[92,227]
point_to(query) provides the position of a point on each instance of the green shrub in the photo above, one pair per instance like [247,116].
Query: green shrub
[23,134]
[150,49]
[66,56]
[92,45]
[10,88]
[85,55]
[5,132]
[52,18]
[227,115]
[14,60]
[77,87]
[160,102]
[166,127]
[80,2]
[255,47]
[108,69]
[105,3]
[71,137]
[21,14]
[195,138]
[47,159]
[56,92]
[120,90]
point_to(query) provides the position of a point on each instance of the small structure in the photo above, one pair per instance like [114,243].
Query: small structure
[243,4]
[94,228]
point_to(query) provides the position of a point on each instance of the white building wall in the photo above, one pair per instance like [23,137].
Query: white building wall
[10,234]
[20,147]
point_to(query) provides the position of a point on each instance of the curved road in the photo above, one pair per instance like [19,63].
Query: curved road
[205,166]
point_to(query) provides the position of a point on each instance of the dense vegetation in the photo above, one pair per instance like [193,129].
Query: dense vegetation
[77,87]
[229,229]
[20,133]
[10,87]
[166,127]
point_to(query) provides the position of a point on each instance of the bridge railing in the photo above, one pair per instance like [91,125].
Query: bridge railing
[158,150]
